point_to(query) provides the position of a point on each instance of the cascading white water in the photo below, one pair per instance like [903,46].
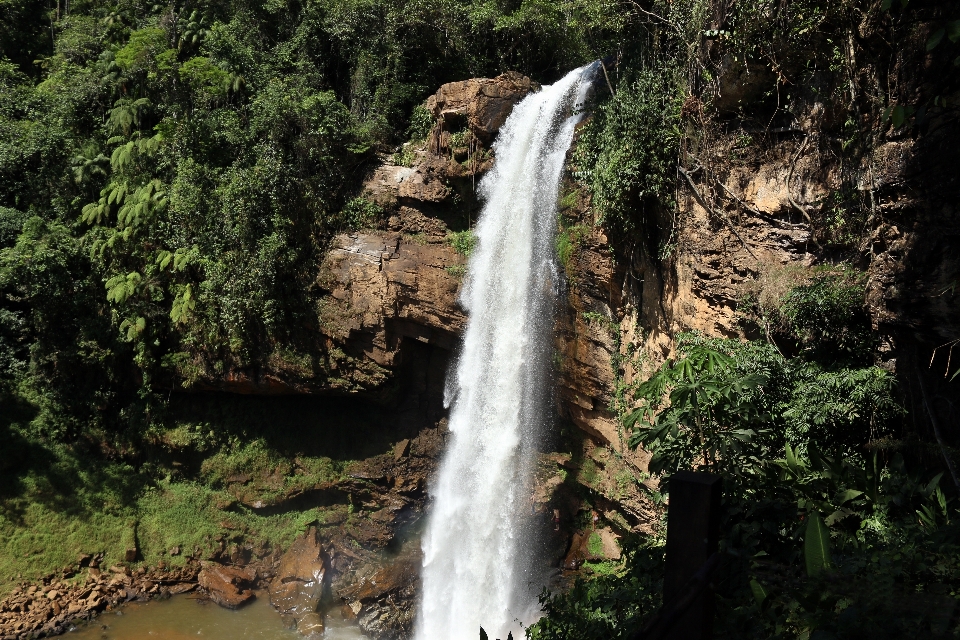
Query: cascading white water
[477,545]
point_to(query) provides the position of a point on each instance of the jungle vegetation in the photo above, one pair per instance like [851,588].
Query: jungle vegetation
[840,512]
[170,174]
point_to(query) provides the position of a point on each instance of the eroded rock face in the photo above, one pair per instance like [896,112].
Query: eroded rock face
[586,339]
[483,103]
[622,310]
[386,287]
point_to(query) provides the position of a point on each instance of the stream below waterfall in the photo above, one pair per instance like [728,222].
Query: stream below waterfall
[183,616]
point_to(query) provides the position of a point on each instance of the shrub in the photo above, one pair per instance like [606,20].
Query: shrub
[141,50]
[568,239]
[627,152]
[828,317]
[463,242]
[360,213]
[421,122]
[612,605]
[206,79]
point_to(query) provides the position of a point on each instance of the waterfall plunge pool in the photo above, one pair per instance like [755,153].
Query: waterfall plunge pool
[183,616]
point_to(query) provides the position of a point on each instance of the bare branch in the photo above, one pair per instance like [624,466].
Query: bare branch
[703,203]
[655,16]
[759,214]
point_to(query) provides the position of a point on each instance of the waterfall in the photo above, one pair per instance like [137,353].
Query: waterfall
[479,539]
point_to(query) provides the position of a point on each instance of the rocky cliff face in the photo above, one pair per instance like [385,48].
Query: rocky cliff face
[390,319]
[391,302]
[753,204]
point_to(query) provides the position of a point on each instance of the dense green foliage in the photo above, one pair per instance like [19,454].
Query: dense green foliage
[626,154]
[608,605]
[724,399]
[706,400]
[885,558]
[193,160]
[169,177]
[826,532]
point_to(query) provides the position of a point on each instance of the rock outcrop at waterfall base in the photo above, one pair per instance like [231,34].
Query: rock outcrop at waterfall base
[229,587]
[297,585]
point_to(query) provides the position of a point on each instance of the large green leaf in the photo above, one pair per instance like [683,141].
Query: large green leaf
[792,462]
[897,116]
[816,545]
[932,485]
[953,30]
[935,39]
[849,494]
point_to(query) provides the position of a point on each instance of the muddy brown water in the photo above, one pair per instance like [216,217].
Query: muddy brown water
[183,617]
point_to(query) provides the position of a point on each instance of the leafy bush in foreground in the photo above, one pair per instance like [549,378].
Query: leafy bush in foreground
[787,435]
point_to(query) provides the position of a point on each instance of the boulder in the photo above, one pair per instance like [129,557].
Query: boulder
[297,587]
[401,450]
[384,601]
[596,545]
[574,557]
[483,104]
[227,586]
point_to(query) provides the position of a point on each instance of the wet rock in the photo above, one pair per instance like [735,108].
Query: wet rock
[311,625]
[296,589]
[574,558]
[402,449]
[384,599]
[183,587]
[227,586]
